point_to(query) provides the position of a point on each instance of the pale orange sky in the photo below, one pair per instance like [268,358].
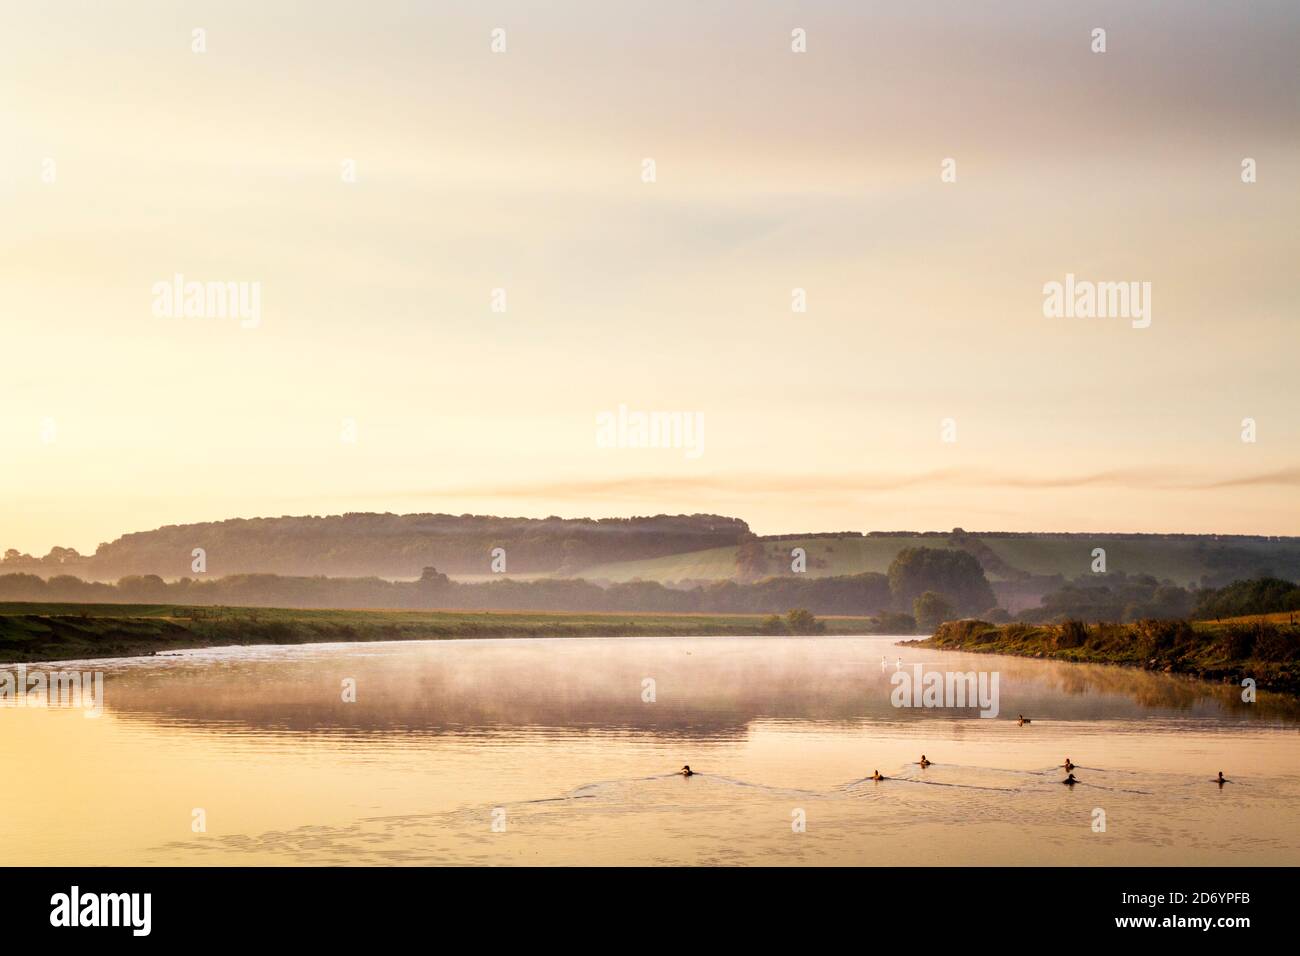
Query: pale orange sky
[522,170]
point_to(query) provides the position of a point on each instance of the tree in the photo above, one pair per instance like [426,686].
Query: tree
[133,587]
[955,574]
[432,585]
[800,620]
[930,610]
[1258,596]
[751,558]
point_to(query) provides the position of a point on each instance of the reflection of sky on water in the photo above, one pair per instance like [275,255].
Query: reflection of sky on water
[703,687]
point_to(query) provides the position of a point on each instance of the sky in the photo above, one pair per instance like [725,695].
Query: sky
[378,171]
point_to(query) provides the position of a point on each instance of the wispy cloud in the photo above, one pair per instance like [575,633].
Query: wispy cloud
[757,484]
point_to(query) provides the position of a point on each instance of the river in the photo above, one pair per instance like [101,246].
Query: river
[564,752]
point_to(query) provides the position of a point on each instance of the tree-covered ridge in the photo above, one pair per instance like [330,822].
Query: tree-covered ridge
[387,545]
[1033,576]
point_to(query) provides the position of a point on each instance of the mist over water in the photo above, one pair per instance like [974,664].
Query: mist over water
[555,743]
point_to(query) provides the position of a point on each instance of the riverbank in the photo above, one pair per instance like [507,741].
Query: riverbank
[1268,651]
[52,632]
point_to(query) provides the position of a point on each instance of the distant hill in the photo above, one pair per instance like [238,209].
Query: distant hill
[1021,567]
[387,545]
[1005,556]
[670,549]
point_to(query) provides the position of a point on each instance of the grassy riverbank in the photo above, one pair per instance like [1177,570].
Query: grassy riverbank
[48,632]
[1260,648]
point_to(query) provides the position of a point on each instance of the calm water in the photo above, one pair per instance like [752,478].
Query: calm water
[552,739]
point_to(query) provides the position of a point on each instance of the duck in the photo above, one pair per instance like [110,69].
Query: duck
[925,762]
[1068,766]
[686,771]
[877,776]
[1069,781]
[1022,721]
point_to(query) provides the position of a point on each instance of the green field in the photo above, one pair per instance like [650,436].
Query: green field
[44,632]
[712,564]
[1182,560]
[827,557]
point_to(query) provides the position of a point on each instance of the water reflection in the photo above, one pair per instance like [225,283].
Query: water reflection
[702,688]
[563,736]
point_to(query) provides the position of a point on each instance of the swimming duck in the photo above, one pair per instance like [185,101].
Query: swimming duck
[1069,781]
[925,762]
[876,776]
[1068,766]
[686,771]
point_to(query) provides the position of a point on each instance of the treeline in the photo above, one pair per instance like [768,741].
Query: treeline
[955,575]
[1267,652]
[1260,596]
[396,546]
[1122,598]
[386,545]
[1219,559]
[928,585]
[858,594]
